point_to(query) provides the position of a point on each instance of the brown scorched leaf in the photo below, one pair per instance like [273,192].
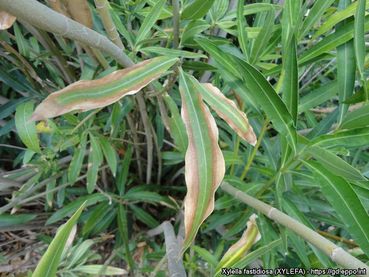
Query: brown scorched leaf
[88,95]
[227,110]
[243,245]
[204,162]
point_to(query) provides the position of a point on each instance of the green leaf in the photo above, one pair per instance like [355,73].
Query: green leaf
[241,29]
[206,255]
[100,270]
[75,166]
[318,96]
[330,42]
[26,129]
[346,203]
[176,126]
[95,159]
[149,21]
[193,28]
[8,220]
[345,73]
[260,90]
[336,18]
[109,153]
[49,262]
[144,217]
[315,13]
[291,79]
[204,162]
[172,52]
[359,40]
[264,94]
[70,208]
[335,164]
[197,9]
[261,42]
[357,118]
[346,138]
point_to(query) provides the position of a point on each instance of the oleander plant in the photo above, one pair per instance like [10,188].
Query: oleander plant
[184,137]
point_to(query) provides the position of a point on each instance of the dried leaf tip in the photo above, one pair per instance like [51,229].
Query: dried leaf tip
[235,253]
[229,112]
[6,20]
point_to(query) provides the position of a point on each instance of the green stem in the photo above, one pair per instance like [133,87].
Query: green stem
[336,253]
[175,4]
[255,149]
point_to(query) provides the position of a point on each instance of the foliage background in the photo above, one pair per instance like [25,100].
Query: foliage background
[313,55]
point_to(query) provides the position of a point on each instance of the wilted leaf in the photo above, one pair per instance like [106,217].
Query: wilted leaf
[204,163]
[227,110]
[6,20]
[238,250]
[87,95]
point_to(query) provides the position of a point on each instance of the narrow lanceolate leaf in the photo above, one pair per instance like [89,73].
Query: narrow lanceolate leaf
[242,246]
[95,159]
[265,95]
[335,164]
[345,75]
[337,17]
[87,95]
[197,9]
[77,160]
[332,41]
[176,126]
[259,90]
[6,20]
[49,262]
[344,138]
[109,153]
[320,6]
[356,119]
[241,29]
[150,20]
[346,203]
[26,130]
[226,109]
[359,42]
[204,162]
[291,79]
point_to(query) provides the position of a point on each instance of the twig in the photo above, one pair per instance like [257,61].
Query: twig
[337,254]
[175,4]
[102,6]
[173,249]
[51,21]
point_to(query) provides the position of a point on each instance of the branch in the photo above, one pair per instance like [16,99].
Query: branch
[175,4]
[102,7]
[47,19]
[173,249]
[336,253]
